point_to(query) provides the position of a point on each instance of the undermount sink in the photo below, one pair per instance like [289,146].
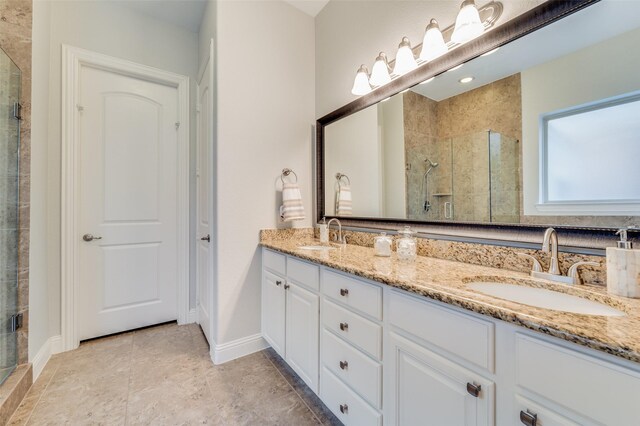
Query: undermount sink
[547,299]
[318,248]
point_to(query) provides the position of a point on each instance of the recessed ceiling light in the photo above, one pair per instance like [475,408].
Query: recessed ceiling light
[456,68]
[466,80]
[490,52]
[429,80]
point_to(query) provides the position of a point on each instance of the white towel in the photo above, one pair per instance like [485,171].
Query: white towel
[343,201]
[292,208]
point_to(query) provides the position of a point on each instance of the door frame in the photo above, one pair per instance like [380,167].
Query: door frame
[73,59]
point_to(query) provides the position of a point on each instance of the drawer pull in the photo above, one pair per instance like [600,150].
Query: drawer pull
[344,408]
[344,365]
[344,292]
[286,286]
[528,418]
[473,389]
[278,282]
[344,326]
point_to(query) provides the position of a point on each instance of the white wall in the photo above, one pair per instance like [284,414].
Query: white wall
[352,147]
[38,278]
[601,71]
[391,117]
[350,33]
[265,115]
[109,28]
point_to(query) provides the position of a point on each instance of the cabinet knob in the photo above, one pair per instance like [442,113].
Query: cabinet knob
[528,418]
[286,286]
[473,389]
[344,292]
[344,326]
[278,282]
[344,365]
[344,408]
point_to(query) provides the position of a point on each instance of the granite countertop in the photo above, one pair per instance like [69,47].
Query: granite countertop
[446,281]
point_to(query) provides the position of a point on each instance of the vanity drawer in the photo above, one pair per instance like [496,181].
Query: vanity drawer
[304,273]
[345,403]
[277,262]
[356,369]
[604,392]
[467,337]
[355,329]
[358,295]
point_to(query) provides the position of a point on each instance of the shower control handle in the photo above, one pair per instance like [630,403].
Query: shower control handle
[89,237]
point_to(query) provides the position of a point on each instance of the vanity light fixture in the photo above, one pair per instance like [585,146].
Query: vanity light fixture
[466,79]
[468,24]
[405,61]
[433,44]
[361,84]
[380,71]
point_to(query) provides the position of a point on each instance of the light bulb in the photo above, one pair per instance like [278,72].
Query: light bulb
[380,71]
[468,24]
[433,44]
[405,61]
[361,84]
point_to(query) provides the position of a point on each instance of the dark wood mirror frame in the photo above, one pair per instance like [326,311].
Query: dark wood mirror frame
[572,239]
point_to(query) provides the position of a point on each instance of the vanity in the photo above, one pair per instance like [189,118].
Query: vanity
[385,342]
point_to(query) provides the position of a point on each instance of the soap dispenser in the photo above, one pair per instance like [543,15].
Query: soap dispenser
[623,267]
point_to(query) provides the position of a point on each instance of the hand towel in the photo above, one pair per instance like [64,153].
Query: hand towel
[343,201]
[292,208]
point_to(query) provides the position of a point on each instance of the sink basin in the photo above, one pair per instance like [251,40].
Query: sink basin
[318,248]
[547,299]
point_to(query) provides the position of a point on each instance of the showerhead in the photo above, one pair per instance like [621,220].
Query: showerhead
[431,163]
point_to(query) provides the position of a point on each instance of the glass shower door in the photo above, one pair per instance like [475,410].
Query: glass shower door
[9,172]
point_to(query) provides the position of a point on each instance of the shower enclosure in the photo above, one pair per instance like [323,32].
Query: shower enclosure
[477,179]
[9,172]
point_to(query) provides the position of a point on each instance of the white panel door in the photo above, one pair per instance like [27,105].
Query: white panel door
[302,329]
[204,264]
[422,388]
[128,193]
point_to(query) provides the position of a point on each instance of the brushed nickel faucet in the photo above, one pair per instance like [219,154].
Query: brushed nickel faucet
[550,245]
[340,239]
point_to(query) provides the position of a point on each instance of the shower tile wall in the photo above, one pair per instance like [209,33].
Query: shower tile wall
[453,132]
[15,40]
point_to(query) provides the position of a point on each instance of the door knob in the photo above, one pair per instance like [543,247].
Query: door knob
[207,238]
[89,237]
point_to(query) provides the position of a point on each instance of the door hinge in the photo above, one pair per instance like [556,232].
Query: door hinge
[177,125]
[15,322]
[17,111]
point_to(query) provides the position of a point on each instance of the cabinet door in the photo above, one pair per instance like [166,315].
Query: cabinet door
[423,388]
[302,333]
[273,311]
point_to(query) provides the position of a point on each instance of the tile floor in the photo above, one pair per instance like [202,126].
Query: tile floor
[164,376]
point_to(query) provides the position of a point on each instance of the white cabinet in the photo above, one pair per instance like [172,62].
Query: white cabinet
[424,388]
[302,333]
[273,311]
[291,313]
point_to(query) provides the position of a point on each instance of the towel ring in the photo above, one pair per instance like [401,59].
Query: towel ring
[339,176]
[287,172]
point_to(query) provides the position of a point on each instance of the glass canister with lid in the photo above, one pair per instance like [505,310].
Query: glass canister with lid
[407,246]
[382,245]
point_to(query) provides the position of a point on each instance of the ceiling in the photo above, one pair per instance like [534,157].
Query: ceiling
[183,13]
[310,7]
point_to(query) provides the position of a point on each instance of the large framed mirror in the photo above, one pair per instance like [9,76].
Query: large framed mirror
[535,123]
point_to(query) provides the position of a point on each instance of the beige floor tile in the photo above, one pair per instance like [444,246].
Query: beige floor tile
[160,376]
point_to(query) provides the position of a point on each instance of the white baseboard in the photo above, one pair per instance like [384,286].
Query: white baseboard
[52,346]
[229,351]
[192,316]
